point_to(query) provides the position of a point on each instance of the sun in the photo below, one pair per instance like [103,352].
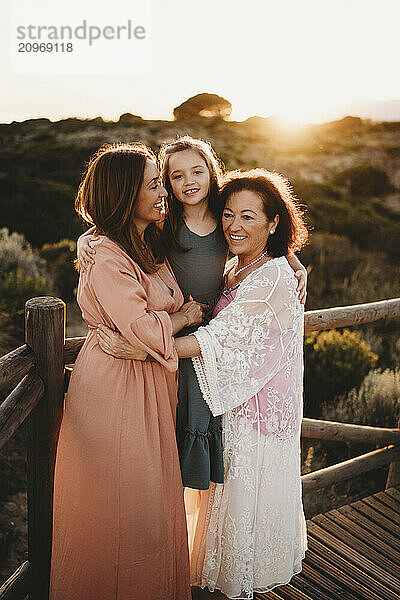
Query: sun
[291,123]
[294,120]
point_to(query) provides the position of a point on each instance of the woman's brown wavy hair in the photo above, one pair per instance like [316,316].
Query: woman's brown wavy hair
[106,199]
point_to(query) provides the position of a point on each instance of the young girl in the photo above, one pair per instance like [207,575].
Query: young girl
[197,252]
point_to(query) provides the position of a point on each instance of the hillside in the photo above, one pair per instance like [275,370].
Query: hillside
[346,172]
[347,175]
[42,161]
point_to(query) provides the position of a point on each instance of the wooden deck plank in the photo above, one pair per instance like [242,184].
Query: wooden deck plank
[374,541]
[363,579]
[308,587]
[284,592]
[370,525]
[345,581]
[353,556]
[376,516]
[334,590]
[394,492]
[353,553]
[289,591]
[357,544]
[388,500]
[272,595]
[382,508]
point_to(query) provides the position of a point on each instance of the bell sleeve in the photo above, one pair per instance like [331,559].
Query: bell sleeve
[248,342]
[115,281]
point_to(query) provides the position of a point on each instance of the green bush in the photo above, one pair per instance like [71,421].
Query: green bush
[342,274]
[363,224]
[60,258]
[22,276]
[365,180]
[13,503]
[335,362]
[375,403]
[16,253]
[368,224]
[13,464]
[13,534]
[310,190]
[38,208]
[15,289]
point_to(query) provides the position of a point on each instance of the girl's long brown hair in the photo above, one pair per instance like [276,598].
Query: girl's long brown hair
[107,196]
[173,218]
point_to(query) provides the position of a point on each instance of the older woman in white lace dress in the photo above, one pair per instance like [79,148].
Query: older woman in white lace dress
[251,532]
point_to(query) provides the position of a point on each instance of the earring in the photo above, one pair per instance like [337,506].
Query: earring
[272,231]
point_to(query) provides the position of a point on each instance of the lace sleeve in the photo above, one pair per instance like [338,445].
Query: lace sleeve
[250,340]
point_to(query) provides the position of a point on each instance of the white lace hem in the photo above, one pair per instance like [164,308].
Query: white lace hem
[297,568]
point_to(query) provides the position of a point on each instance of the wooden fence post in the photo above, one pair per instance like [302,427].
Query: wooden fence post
[393,478]
[45,317]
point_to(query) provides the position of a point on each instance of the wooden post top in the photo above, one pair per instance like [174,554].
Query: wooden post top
[44,302]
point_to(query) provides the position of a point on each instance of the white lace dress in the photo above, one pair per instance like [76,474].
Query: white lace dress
[251,530]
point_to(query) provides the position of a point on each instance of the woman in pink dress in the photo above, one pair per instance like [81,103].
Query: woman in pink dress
[119,522]
[251,533]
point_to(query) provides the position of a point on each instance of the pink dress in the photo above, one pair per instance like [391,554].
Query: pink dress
[119,521]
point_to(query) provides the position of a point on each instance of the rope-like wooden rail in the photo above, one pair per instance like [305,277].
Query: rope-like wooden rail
[348,432]
[15,365]
[346,316]
[71,349]
[314,320]
[18,405]
[17,586]
[350,468]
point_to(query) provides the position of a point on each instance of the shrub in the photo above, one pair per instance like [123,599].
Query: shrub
[39,209]
[365,180]
[335,362]
[59,258]
[368,224]
[369,228]
[13,534]
[375,403]
[309,190]
[342,273]
[13,503]
[15,289]
[22,276]
[16,253]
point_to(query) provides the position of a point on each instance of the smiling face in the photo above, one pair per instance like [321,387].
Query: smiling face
[246,226]
[149,206]
[189,177]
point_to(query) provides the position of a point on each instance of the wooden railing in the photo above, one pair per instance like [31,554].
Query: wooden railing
[38,375]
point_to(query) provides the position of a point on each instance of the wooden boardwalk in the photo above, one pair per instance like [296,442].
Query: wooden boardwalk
[353,553]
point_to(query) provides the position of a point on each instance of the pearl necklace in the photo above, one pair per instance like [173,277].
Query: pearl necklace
[253,262]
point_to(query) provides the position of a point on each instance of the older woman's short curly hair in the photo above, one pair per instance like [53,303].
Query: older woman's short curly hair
[277,197]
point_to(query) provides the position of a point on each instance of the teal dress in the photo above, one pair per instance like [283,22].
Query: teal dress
[199,273]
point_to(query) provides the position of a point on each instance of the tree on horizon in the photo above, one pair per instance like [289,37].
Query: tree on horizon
[203,105]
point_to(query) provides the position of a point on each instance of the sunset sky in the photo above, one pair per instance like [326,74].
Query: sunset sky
[306,60]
